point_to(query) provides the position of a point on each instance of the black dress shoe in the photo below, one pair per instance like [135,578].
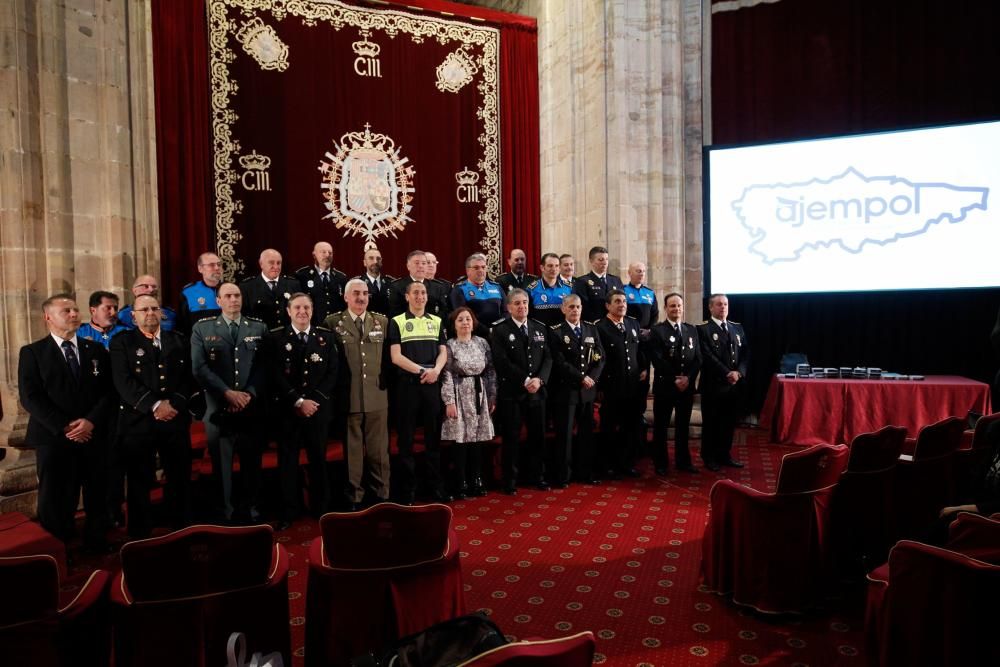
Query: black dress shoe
[439,496]
[688,468]
[542,485]
[730,463]
[713,466]
[461,491]
[477,489]
[510,488]
[561,485]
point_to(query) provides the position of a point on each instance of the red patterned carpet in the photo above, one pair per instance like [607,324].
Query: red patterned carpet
[621,559]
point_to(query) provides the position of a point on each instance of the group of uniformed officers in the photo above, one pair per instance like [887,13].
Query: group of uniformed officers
[283,357]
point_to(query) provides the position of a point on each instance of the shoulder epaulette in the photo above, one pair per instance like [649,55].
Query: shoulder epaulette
[502,319]
[320,327]
[734,322]
[555,327]
[246,280]
[532,285]
[252,319]
[539,323]
[336,272]
[304,268]
[277,329]
[704,322]
[629,317]
[191,284]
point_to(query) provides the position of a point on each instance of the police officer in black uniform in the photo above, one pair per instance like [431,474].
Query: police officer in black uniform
[323,283]
[675,351]
[621,382]
[377,281]
[723,384]
[266,295]
[437,295]
[151,369]
[517,277]
[417,349]
[577,363]
[441,287]
[304,361]
[523,363]
[593,287]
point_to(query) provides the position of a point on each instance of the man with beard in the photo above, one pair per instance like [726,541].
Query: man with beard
[377,281]
[323,283]
[198,301]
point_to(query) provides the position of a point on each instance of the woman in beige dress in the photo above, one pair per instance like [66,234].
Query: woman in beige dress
[469,392]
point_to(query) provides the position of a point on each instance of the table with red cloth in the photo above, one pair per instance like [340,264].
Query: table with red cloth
[808,411]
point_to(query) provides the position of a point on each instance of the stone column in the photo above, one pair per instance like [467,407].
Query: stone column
[77,178]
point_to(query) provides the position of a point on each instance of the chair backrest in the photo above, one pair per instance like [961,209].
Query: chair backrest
[979,439]
[197,561]
[31,584]
[871,452]
[573,651]
[385,536]
[939,439]
[812,469]
[790,360]
[976,536]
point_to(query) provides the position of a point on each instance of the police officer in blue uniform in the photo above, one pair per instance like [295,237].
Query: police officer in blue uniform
[547,292]
[143,285]
[198,299]
[593,287]
[484,297]
[103,325]
[641,299]
[323,283]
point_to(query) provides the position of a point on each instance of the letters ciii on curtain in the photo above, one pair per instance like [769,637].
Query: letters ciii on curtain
[355,125]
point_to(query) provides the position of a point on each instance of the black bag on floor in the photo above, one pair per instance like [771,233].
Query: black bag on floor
[443,645]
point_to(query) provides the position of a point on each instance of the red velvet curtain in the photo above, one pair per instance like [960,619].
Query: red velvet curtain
[184,147]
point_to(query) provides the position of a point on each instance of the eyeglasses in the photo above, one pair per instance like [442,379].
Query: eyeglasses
[145,286]
[148,309]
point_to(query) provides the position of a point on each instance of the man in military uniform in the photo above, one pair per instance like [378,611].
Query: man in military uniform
[227,358]
[198,300]
[547,292]
[577,363]
[151,369]
[517,277]
[147,284]
[523,363]
[104,323]
[265,296]
[621,384]
[675,351]
[361,334]
[417,349]
[483,296]
[594,287]
[723,385]
[567,268]
[377,281]
[323,283]
[64,383]
[437,296]
[304,361]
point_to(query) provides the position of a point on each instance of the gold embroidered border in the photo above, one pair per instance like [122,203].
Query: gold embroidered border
[339,15]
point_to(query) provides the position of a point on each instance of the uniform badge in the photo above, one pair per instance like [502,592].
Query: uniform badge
[545,297]
[597,356]
[631,296]
[314,357]
[511,338]
[690,342]
[286,295]
[288,347]
[310,284]
[409,326]
[715,336]
[201,301]
[430,327]
[96,371]
[738,342]
[635,333]
[590,282]
[472,294]
[140,352]
[566,339]
[589,340]
[673,340]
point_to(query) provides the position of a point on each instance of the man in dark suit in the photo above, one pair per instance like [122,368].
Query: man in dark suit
[152,373]
[523,363]
[437,295]
[675,351]
[594,287]
[265,296]
[577,363]
[323,283]
[377,281]
[621,384]
[227,358]
[304,362]
[65,385]
[517,277]
[723,385]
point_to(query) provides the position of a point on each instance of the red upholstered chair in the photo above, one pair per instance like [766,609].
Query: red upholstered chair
[925,480]
[20,536]
[40,625]
[179,597]
[771,550]
[862,505]
[972,454]
[937,606]
[377,575]
[574,651]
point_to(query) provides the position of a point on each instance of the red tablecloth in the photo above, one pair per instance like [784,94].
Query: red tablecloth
[807,411]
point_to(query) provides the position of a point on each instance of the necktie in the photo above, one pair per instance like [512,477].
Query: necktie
[360,322]
[272,284]
[156,343]
[524,330]
[725,328]
[375,286]
[621,327]
[71,359]
[576,332]
[234,330]
[326,280]
[604,281]
[304,337]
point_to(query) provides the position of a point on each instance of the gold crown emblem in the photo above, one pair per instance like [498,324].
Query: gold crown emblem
[466,177]
[255,161]
[251,29]
[366,49]
[369,140]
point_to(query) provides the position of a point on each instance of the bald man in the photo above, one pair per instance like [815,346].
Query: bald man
[323,283]
[147,285]
[518,276]
[265,296]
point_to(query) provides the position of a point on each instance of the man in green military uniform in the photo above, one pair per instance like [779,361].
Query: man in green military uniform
[361,334]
